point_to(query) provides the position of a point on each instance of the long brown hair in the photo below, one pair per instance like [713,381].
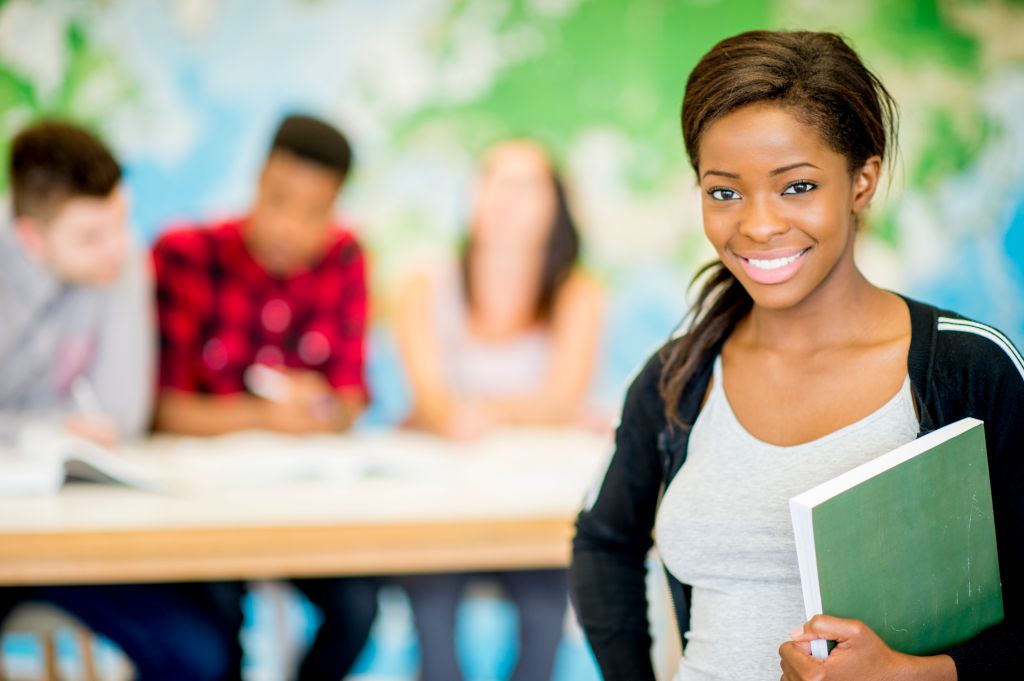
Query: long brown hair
[561,253]
[822,81]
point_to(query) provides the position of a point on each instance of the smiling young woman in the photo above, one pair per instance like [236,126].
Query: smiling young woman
[793,368]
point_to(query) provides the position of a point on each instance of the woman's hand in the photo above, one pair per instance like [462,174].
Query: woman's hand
[859,655]
[467,421]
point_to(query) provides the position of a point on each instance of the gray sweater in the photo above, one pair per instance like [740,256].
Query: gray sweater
[53,334]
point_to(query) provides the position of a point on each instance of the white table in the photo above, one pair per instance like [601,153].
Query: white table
[256,505]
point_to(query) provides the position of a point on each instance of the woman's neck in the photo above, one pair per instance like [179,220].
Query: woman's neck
[505,287]
[845,309]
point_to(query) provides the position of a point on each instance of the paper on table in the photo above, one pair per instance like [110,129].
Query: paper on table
[46,456]
[20,476]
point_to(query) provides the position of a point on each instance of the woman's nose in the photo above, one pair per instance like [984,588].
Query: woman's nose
[760,221]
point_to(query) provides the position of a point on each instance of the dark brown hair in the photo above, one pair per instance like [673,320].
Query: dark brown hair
[560,257]
[823,82]
[314,140]
[53,161]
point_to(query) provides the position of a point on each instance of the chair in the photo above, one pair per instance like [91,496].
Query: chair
[278,657]
[45,622]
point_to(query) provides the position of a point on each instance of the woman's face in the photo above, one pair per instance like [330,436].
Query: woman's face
[779,205]
[515,201]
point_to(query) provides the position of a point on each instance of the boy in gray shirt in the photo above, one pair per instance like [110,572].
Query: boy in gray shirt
[77,349]
[77,340]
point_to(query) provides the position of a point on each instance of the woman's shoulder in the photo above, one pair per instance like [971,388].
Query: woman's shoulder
[646,381]
[580,287]
[427,279]
[962,359]
[578,307]
[978,359]
[968,343]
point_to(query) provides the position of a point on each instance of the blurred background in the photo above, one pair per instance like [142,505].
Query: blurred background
[188,92]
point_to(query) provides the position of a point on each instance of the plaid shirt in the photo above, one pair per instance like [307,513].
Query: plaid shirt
[220,312]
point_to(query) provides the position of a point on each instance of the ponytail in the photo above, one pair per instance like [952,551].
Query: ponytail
[721,304]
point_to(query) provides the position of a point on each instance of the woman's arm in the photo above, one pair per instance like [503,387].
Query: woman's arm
[576,327]
[420,347]
[988,378]
[614,535]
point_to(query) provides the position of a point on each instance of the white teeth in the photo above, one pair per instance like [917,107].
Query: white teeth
[774,263]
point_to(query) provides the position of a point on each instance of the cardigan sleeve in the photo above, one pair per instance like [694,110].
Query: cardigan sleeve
[614,535]
[980,373]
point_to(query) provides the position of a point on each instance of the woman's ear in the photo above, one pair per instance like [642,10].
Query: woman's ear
[865,182]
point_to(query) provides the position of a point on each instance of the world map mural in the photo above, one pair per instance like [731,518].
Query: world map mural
[189,91]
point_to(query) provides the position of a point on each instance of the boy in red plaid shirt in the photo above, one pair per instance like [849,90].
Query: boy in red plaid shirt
[283,287]
[281,291]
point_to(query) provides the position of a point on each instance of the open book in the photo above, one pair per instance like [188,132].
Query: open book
[905,543]
[46,457]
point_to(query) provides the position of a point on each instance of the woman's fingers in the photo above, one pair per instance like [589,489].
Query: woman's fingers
[798,665]
[829,628]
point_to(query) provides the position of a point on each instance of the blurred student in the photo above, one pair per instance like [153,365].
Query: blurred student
[507,337]
[262,322]
[76,345]
[76,352]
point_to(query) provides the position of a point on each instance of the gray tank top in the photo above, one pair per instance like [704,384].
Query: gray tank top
[477,368]
[724,527]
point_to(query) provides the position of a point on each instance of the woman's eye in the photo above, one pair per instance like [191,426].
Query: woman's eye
[800,188]
[722,194]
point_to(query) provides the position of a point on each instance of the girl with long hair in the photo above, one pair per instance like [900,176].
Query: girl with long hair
[792,369]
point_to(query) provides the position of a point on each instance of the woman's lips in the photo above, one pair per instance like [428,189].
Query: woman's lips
[773,267]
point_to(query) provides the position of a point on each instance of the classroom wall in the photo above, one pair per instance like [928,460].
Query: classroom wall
[188,92]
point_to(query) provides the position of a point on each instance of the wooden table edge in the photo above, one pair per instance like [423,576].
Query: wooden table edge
[265,552]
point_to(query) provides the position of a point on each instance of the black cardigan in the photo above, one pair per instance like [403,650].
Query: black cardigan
[957,368]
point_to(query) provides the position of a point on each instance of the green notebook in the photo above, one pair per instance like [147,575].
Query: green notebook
[905,543]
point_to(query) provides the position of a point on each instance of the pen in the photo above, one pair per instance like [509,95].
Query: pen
[84,396]
[271,384]
[268,383]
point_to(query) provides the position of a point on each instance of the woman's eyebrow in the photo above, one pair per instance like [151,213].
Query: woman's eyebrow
[733,176]
[783,169]
[777,171]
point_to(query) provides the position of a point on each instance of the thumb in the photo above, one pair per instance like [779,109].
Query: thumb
[829,628]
